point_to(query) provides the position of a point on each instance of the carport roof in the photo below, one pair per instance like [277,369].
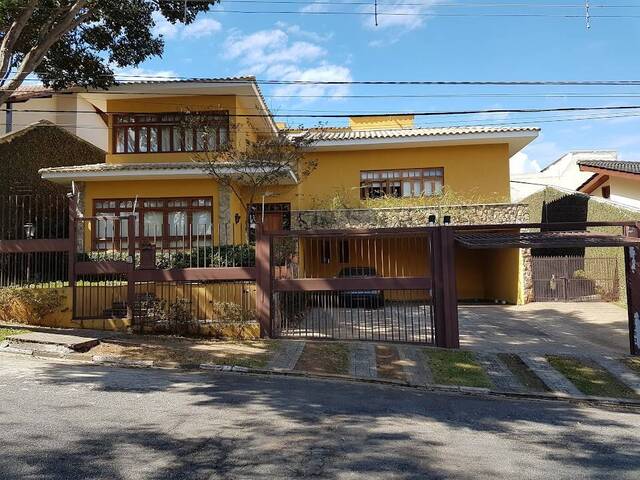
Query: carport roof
[564,239]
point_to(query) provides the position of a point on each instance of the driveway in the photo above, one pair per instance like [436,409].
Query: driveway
[550,327]
[69,421]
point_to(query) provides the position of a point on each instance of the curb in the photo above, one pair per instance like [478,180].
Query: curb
[113,361]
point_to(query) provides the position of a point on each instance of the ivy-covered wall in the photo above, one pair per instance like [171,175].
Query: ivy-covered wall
[24,152]
[588,209]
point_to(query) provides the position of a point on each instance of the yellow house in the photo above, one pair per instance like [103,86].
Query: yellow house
[150,172]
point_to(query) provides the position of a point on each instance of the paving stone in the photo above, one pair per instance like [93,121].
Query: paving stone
[620,371]
[499,374]
[415,365]
[363,360]
[52,340]
[553,379]
[287,355]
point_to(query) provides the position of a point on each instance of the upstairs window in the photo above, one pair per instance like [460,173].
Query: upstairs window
[170,132]
[413,182]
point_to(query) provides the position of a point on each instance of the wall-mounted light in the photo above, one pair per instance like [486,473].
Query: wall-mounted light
[29,231]
[446,219]
[432,220]
[237,218]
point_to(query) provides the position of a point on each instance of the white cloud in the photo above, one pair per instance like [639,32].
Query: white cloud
[202,27]
[314,7]
[142,74]
[406,16]
[521,163]
[274,54]
[164,27]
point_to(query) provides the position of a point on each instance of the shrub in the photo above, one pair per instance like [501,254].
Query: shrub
[28,305]
[170,318]
[232,321]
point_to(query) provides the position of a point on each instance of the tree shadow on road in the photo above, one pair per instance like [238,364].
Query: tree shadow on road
[244,426]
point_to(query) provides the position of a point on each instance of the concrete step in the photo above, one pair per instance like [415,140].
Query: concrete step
[51,342]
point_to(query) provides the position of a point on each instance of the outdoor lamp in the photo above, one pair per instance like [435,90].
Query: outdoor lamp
[29,230]
[446,219]
[432,220]
[237,218]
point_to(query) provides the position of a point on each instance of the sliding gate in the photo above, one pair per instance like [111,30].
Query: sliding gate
[352,286]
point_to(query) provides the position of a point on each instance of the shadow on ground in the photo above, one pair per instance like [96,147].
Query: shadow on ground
[102,422]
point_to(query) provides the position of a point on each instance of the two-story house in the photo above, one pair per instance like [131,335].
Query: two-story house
[149,171]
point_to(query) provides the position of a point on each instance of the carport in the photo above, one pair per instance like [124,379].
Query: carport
[532,235]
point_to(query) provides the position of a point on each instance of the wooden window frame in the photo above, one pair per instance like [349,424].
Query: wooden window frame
[141,209]
[221,123]
[386,184]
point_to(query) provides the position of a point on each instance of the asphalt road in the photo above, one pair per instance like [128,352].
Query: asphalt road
[66,421]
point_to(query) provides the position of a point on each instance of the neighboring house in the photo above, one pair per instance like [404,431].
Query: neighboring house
[149,169]
[614,180]
[562,173]
[68,109]
[42,144]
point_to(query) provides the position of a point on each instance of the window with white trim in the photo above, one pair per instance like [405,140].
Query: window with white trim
[411,182]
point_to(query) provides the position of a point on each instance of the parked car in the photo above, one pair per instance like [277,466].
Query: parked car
[360,298]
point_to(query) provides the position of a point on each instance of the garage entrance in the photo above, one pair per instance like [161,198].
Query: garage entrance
[351,285]
[575,279]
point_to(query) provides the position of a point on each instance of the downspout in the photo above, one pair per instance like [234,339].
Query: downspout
[9,117]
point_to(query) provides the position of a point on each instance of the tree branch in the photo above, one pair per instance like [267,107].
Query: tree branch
[12,36]
[35,56]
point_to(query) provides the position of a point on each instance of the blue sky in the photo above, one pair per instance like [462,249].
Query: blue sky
[415,47]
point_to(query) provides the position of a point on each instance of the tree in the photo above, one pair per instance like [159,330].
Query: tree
[79,42]
[248,170]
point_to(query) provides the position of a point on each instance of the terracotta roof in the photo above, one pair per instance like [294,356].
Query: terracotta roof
[121,167]
[25,92]
[247,79]
[616,166]
[346,134]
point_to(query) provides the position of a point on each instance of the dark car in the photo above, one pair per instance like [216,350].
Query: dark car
[360,298]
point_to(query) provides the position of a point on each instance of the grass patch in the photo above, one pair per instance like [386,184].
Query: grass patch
[633,363]
[7,332]
[590,378]
[523,373]
[388,363]
[253,354]
[324,357]
[456,368]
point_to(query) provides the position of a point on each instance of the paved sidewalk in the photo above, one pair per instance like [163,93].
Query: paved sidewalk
[415,365]
[363,360]
[287,355]
[499,374]
[620,371]
[550,376]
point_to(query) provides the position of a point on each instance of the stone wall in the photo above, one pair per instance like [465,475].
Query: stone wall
[408,217]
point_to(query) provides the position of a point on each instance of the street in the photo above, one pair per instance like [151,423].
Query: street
[60,420]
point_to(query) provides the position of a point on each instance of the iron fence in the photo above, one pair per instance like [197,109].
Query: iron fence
[28,217]
[352,287]
[575,278]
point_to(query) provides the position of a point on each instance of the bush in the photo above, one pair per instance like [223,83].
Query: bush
[170,318]
[222,256]
[232,320]
[28,305]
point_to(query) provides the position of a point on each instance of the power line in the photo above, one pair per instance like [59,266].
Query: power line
[386,114]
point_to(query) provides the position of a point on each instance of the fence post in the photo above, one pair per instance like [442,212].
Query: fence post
[73,241]
[263,280]
[632,271]
[131,259]
[444,297]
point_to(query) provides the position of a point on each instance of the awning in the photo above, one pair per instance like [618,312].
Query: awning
[576,239]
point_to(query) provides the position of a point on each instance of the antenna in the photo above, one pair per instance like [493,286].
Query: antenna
[375,11]
[587,13]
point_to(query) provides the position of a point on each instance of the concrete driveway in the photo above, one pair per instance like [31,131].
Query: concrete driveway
[550,327]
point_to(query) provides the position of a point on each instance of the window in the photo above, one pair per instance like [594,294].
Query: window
[413,182]
[166,222]
[606,192]
[165,132]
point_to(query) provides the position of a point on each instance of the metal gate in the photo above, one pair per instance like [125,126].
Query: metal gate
[346,287]
[576,279]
